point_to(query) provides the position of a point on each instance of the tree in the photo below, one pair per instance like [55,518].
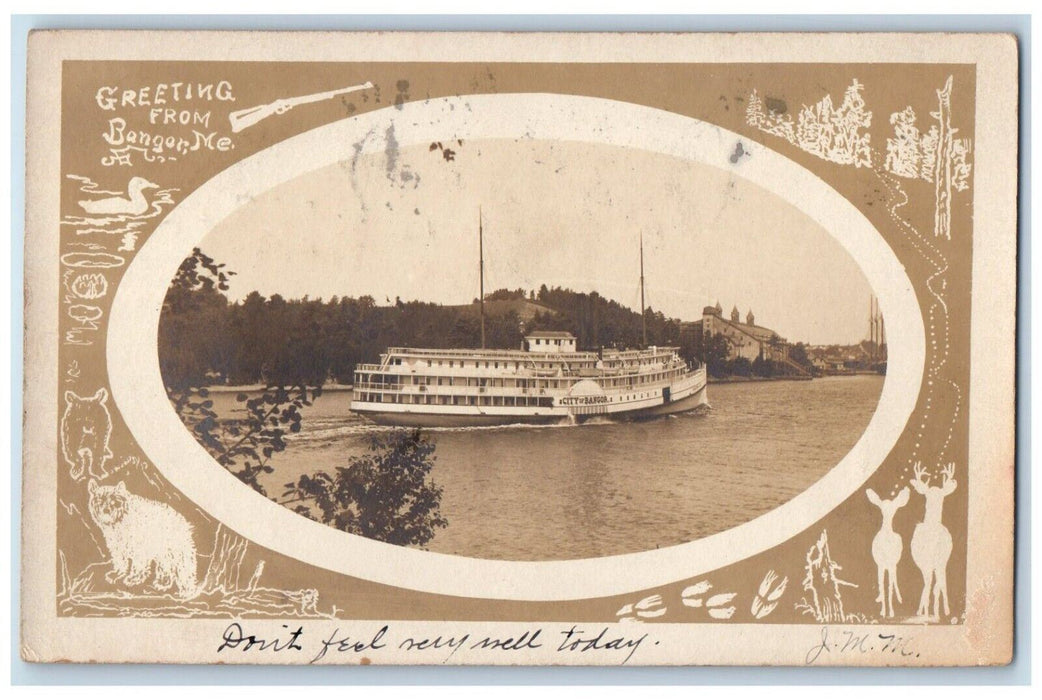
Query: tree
[754,112]
[384,494]
[851,145]
[929,150]
[716,350]
[960,164]
[904,150]
[741,367]
[245,446]
[798,354]
[192,328]
[815,130]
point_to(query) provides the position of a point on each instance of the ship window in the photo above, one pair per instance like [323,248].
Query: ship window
[470,400]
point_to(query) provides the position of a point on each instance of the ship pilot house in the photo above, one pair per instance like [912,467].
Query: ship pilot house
[550,341]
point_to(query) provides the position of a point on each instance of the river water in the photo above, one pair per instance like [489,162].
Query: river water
[575,491]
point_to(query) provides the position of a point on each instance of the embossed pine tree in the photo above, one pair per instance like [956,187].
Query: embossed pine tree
[904,152]
[754,113]
[851,144]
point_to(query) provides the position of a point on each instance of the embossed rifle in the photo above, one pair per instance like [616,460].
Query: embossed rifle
[245,118]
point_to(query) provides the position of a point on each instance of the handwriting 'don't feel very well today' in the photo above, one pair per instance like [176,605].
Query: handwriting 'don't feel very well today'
[573,641]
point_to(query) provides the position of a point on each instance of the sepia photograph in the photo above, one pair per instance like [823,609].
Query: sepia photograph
[517,349]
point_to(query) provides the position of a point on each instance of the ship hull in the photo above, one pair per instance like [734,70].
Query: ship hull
[446,420]
[425,419]
[690,403]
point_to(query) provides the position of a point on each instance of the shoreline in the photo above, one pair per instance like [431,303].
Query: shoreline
[246,388]
[732,379]
[737,379]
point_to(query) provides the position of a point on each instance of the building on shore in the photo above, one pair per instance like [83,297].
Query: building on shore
[744,339]
[861,357]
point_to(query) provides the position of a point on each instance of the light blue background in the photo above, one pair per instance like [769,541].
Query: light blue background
[51,674]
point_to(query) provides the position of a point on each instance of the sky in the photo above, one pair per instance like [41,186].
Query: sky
[405,224]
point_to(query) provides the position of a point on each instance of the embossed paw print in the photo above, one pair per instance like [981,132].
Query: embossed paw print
[766,598]
[716,606]
[644,608]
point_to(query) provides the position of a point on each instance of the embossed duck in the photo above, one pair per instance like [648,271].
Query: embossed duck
[134,204]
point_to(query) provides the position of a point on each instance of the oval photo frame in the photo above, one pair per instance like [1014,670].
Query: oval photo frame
[137,385]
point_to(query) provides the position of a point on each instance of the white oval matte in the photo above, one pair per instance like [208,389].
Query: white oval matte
[137,386]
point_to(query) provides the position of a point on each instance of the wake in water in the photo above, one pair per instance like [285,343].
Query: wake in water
[332,428]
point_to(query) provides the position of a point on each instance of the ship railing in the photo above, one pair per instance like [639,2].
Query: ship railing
[382,386]
[473,390]
[530,374]
[473,353]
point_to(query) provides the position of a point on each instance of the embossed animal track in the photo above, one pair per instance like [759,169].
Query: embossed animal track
[716,606]
[768,595]
[649,607]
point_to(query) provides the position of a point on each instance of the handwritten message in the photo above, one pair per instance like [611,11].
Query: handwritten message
[162,121]
[325,645]
[836,644]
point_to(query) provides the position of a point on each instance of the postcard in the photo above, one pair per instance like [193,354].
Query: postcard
[540,349]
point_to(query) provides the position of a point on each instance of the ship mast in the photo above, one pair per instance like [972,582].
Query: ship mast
[643,315]
[481,275]
[872,324]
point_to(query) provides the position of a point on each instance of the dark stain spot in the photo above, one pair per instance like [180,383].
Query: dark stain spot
[403,94]
[446,153]
[391,151]
[775,105]
[365,661]
[739,151]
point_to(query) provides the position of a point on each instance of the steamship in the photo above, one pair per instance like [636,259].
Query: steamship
[548,380]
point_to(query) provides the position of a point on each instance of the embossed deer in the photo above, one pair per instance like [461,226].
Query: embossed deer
[886,550]
[931,541]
